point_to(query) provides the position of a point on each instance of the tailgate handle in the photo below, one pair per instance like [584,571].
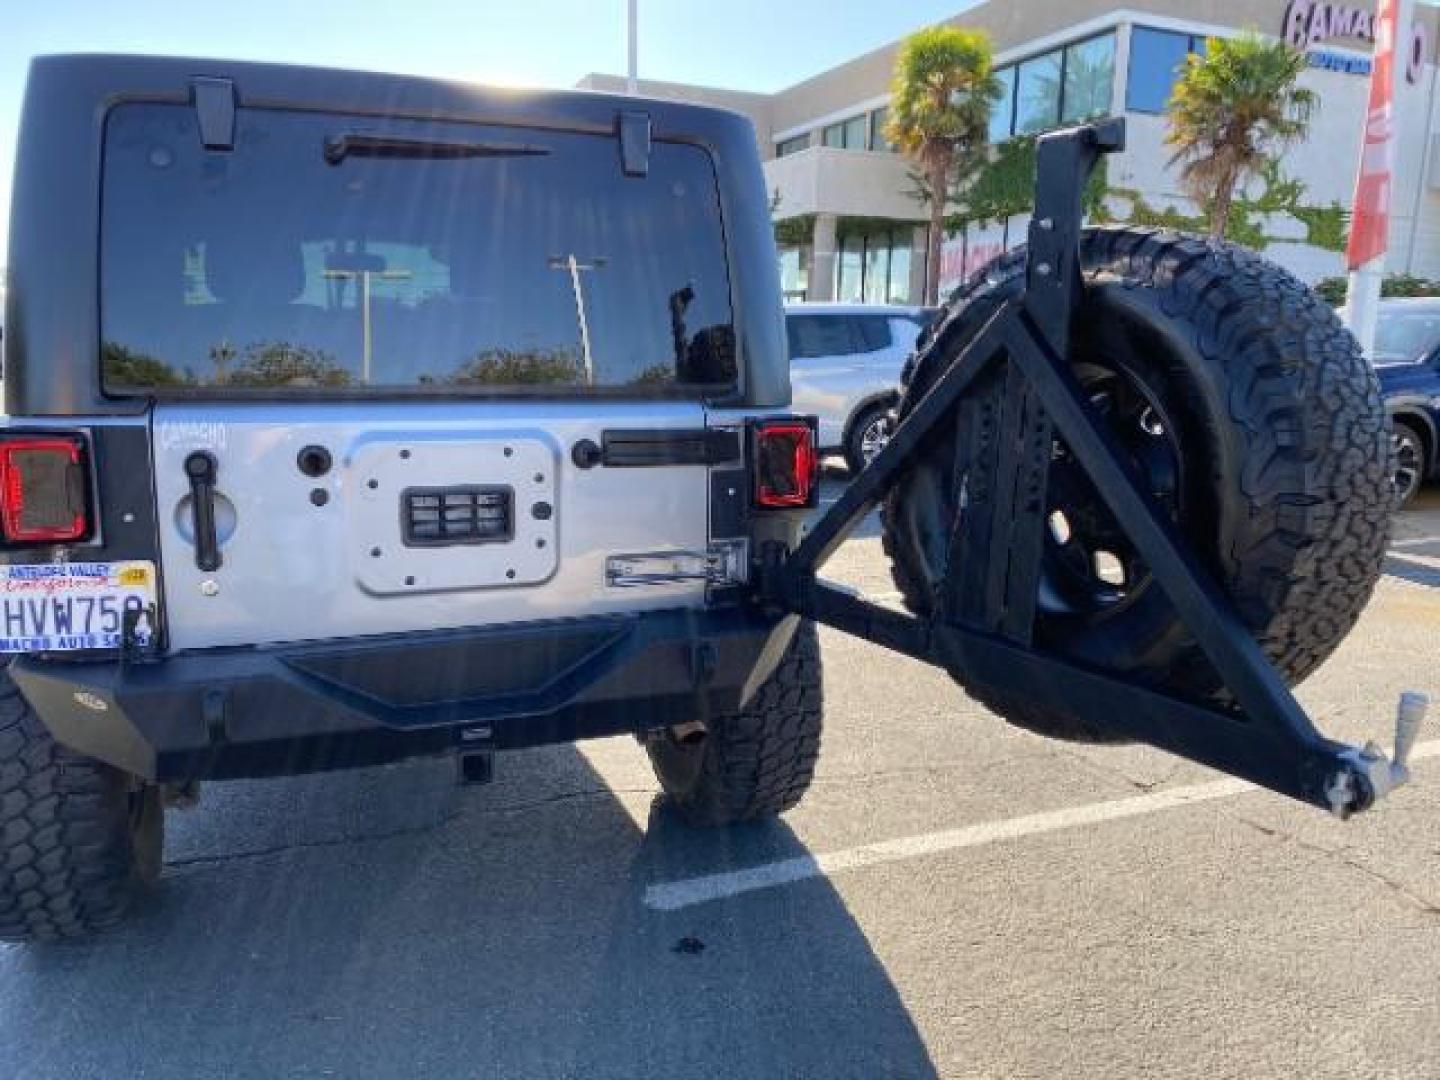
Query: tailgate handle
[634,449]
[200,470]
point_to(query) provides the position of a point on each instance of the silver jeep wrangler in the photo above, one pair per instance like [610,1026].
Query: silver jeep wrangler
[354,417]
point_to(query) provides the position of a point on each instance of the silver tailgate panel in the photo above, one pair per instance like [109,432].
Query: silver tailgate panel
[294,571]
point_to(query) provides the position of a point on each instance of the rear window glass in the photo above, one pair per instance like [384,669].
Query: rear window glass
[327,251]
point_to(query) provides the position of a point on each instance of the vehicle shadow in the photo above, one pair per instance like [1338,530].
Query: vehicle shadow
[387,923]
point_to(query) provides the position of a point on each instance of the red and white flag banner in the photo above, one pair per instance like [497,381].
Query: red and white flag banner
[1370,217]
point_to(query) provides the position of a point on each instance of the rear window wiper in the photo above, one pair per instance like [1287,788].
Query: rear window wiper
[339,147]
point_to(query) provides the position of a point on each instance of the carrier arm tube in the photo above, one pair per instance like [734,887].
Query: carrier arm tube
[1312,769]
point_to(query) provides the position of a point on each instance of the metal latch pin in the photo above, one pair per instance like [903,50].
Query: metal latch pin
[1382,774]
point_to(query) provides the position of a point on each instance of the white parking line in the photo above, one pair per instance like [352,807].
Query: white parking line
[891,597]
[1418,541]
[674,895]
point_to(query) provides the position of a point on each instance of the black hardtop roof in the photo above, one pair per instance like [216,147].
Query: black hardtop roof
[51,345]
[122,75]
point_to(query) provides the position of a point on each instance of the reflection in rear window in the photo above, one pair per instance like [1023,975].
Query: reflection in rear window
[336,252]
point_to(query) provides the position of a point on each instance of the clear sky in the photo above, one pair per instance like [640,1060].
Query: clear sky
[746,44]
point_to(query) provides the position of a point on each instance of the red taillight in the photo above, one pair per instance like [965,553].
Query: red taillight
[786,464]
[42,489]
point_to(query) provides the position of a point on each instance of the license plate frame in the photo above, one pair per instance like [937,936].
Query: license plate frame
[75,606]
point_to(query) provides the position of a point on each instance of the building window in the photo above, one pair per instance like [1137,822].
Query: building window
[899,272]
[1059,87]
[846,135]
[794,272]
[874,268]
[1002,110]
[792,146]
[855,133]
[1089,79]
[850,270]
[1037,93]
[876,287]
[878,139]
[1156,57]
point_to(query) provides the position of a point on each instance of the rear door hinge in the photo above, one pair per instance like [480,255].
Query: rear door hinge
[214,101]
[634,130]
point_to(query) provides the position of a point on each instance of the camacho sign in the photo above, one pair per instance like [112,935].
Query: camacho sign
[1308,24]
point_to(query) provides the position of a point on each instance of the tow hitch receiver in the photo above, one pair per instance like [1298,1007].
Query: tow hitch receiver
[984,615]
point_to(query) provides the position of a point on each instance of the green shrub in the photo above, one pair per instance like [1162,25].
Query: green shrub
[1332,289]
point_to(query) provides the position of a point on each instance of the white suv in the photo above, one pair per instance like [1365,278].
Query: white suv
[845,364]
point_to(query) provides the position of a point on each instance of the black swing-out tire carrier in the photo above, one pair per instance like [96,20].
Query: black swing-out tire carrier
[981,626]
[232,713]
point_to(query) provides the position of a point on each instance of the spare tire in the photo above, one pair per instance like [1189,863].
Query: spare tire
[1253,415]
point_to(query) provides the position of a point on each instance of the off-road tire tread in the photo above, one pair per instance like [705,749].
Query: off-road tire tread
[760,761]
[1316,482]
[67,858]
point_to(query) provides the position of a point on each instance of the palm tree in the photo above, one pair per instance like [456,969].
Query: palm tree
[940,100]
[1232,111]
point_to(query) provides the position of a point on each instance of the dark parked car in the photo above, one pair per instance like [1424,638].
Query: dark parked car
[1407,361]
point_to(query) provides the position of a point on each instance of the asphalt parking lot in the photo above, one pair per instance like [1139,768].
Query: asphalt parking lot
[955,897]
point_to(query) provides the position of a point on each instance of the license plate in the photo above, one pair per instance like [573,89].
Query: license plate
[61,607]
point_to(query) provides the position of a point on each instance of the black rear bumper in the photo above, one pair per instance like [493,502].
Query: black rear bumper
[305,708]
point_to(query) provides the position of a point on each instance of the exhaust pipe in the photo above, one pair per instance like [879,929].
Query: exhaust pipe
[690,733]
